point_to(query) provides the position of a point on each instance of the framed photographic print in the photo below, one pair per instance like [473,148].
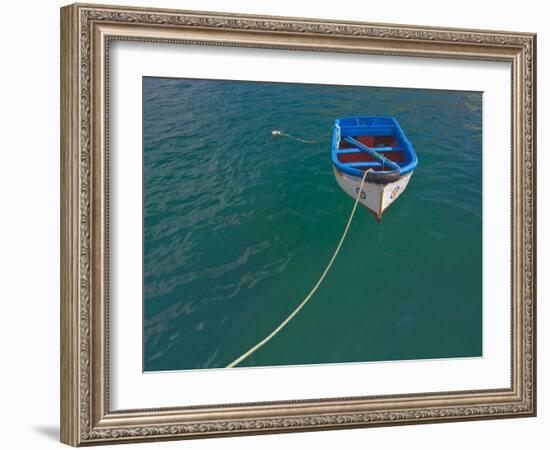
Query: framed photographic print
[276,224]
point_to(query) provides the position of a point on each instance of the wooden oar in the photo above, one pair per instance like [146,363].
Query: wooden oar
[372,152]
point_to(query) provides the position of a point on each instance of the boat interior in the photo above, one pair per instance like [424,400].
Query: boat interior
[379,134]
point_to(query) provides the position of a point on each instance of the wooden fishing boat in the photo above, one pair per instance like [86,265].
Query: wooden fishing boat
[379,146]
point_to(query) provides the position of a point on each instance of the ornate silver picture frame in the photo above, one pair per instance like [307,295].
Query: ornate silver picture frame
[87,32]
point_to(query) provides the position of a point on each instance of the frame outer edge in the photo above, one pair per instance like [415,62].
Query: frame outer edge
[69,313]
[533,231]
[535,374]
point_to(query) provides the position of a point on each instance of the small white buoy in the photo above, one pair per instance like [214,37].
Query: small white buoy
[282,133]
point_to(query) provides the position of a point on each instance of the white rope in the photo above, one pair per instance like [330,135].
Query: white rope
[324,274]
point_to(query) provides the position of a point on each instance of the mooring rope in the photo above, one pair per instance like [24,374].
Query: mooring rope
[282,133]
[324,274]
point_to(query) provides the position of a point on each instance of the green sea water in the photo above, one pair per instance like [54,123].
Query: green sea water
[240,224]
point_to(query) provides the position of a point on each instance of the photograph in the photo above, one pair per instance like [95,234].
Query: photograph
[289,223]
[277,225]
[298,224]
